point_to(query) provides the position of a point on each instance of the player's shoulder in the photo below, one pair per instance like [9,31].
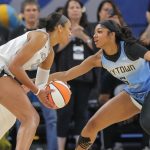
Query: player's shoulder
[133,45]
[38,35]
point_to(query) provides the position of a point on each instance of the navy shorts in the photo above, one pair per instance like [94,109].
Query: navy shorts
[2,73]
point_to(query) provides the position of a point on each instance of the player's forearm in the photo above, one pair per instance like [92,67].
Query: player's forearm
[21,75]
[57,76]
[63,76]
[70,74]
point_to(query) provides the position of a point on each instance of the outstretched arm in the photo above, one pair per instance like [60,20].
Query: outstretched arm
[24,55]
[84,67]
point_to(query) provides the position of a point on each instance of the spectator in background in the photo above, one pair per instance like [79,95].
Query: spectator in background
[108,10]
[78,49]
[30,10]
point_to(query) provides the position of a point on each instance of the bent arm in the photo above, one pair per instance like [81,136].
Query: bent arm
[84,67]
[43,70]
[24,54]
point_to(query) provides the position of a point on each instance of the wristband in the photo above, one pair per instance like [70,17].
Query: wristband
[42,76]
[37,93]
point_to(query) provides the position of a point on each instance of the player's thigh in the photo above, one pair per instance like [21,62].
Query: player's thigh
[14,98]
[115,110]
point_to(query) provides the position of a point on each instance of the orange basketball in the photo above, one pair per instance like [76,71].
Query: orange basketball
[60,96]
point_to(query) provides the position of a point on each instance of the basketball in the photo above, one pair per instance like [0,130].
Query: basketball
[60,96]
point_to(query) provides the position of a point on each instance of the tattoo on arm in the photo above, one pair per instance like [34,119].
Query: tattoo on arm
[84,142]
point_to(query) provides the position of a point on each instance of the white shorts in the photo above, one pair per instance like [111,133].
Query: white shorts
[138,105]
[7,120]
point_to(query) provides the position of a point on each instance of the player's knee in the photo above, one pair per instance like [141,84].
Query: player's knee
[145,122]
[35,119]
[32,119]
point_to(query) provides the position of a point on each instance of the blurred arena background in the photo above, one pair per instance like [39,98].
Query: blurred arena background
[133,11]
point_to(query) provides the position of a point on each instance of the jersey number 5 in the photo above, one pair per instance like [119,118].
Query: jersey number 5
[124,79]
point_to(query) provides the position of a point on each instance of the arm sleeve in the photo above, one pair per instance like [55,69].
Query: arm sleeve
[42,77]
[135,51]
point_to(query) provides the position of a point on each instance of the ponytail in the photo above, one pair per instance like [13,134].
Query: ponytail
[42,23]
[126,35]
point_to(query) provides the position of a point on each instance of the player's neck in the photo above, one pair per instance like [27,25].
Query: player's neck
[53,38]
[111,49]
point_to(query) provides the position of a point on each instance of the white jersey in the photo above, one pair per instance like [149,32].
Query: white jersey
[9,50]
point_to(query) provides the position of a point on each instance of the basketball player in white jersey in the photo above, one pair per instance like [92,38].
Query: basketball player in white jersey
[33,50]
[126,60]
